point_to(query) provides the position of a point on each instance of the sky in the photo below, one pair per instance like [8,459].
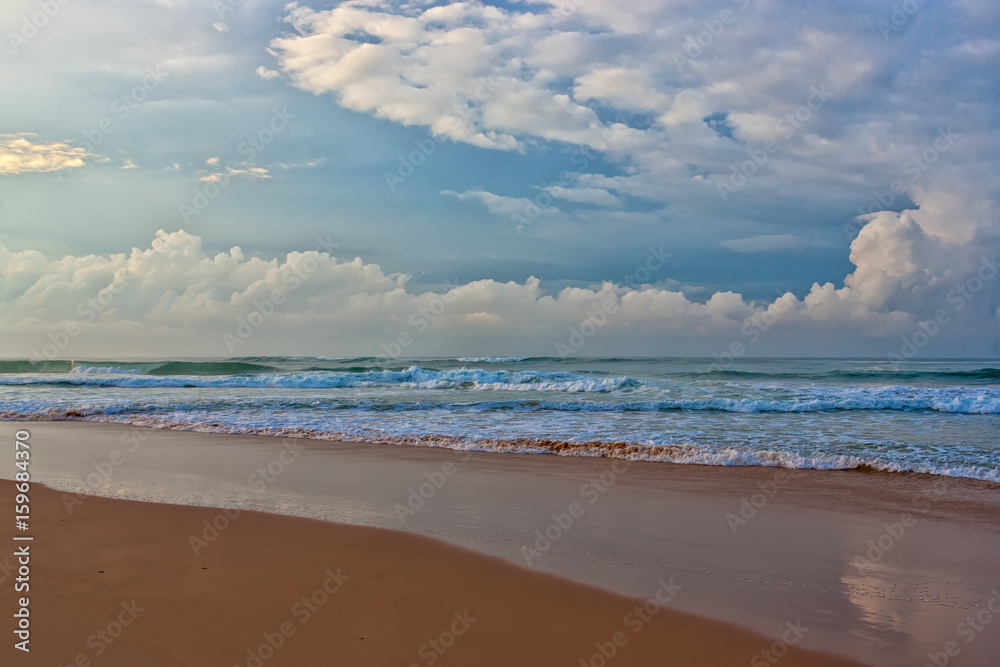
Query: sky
[567,178]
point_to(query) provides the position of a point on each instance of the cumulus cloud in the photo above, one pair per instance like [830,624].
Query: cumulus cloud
[24,152]
[174,293]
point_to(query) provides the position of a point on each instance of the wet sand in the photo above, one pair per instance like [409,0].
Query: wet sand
[119,583]
[759,548]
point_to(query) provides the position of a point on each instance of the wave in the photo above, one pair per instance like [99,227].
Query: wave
[985,374]
[42,366]
[976,403]
[104,370]
[966,403]
[686,453]
[412,377]
[210,368]
[664,369]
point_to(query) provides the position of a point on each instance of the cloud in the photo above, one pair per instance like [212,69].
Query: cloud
[592,196]
[174,294]
[23,153]
[675,107]
[623,87]
[521,211]
[447,67]
[244,169]
[267,74]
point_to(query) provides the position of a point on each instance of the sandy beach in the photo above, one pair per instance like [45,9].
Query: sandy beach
[118,584]
[794,562]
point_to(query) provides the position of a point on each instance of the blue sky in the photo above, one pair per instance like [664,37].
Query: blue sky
[568,139]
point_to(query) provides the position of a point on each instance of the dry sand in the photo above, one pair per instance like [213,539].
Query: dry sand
[378,597]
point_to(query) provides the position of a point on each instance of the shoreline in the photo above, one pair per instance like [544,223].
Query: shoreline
[632,452]
[794,557]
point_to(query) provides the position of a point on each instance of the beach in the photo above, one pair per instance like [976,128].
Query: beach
[471,333]
[749,555]
[117,584]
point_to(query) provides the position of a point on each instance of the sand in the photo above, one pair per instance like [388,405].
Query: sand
[118,583]
[795,560]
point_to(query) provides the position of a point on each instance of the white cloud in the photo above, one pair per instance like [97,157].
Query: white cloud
[593,196]
[622,87]
[175,293]
[244,169]
[521,211]
[620,80]
[451,68]
[267,74]
[22,153]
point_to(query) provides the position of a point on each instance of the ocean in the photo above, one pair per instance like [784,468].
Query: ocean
[940,417]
